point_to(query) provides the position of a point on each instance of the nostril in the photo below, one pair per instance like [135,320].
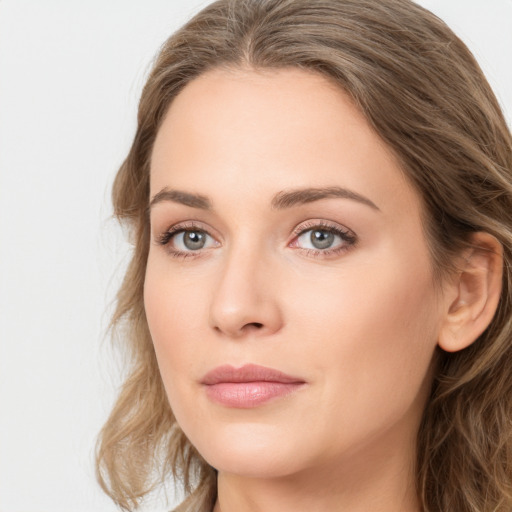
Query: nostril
[247,327]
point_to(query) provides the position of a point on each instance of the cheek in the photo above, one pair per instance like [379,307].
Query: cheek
[374,333]
[174,301]
[176,310]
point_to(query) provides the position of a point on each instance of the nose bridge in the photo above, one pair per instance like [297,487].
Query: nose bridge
[245,298]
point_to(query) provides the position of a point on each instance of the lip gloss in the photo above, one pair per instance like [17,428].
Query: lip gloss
[245,395]
[248,386]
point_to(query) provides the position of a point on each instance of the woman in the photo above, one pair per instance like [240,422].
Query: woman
[318,304]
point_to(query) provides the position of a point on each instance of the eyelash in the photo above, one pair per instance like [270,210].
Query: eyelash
[168,235]
[348,237]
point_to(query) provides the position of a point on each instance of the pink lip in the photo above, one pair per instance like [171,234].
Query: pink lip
[248,386]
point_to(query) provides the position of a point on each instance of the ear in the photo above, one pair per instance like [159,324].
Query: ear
[473,293]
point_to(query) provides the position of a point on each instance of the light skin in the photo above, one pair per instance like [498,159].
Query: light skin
[354,313]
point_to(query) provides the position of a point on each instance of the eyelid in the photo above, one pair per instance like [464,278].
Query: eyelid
[187,225]
[164,237]
[321,223]
[347,236]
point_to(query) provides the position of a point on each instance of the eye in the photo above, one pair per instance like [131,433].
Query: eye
[190,240]
[184,241]
[318,238]
[324,239]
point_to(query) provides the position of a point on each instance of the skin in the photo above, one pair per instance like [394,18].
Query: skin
[359,327]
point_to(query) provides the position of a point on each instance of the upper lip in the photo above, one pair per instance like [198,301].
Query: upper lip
[247,373]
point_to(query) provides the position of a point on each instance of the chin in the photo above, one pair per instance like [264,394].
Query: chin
[258,451]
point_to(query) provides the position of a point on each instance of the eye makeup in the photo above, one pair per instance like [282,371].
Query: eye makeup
[322,232]
[346,238]
[168,239]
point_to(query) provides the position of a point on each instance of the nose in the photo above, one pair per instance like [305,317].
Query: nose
[245,301]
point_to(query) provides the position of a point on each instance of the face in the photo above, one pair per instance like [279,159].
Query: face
[289,290]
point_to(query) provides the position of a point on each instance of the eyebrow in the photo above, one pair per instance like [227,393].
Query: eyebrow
[282,200]
[294,197]
[178,196]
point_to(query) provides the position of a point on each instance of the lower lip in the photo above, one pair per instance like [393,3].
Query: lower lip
[244,395]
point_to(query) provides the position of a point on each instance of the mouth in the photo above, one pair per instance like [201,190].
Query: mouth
[248,386]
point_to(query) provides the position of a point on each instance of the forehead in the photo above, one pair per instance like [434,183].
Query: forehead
[237,134]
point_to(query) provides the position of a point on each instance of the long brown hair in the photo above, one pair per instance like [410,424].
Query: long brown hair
[425,95]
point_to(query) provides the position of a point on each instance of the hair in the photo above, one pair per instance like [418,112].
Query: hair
[423,92]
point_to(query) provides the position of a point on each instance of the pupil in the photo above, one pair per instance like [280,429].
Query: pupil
[193,240]
[322,239]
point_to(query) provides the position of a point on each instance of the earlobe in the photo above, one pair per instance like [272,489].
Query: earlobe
[477,289]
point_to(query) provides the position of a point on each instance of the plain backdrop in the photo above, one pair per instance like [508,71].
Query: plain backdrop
[71,73]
